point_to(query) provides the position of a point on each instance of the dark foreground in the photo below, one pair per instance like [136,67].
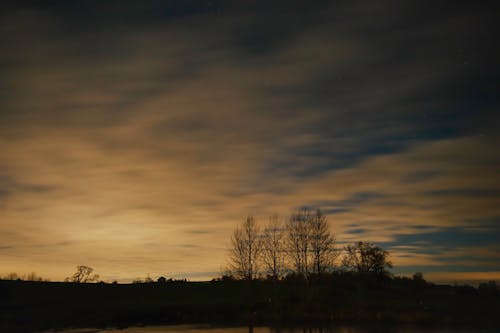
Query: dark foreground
[31,306]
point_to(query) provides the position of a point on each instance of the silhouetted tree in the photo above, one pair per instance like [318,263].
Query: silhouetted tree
[33,277]
[273,248]
[12,276]
[161,279]
[28,277]
[246,247]
[298,238]
[365,257]
[83,274]
[489,288]
[322,243]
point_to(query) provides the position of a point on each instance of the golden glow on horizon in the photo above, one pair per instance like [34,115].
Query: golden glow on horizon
[126,229]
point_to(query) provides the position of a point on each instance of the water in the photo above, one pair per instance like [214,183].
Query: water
[338,329]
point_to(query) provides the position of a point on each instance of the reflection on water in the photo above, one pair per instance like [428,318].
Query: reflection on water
[209,329]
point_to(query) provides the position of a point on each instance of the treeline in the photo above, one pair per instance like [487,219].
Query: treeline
[85,274]
[24,277]
[301,245]
[324,300]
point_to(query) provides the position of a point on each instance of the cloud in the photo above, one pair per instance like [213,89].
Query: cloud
[128,140]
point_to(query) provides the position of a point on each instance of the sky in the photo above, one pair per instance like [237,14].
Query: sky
[135,135]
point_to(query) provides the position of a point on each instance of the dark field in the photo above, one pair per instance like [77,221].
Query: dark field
[28,306]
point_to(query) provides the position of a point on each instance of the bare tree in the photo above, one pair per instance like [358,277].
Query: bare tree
[365,257]
[83,274]
[322,243]
[273,248]
[246,247]
[298,240]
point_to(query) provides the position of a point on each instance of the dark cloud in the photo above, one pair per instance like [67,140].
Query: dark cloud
[335,211]
[9,186]
[356,231]
[458,268]
[422,176]
[449,238]
[466,192]
[199,231]
[355,199]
